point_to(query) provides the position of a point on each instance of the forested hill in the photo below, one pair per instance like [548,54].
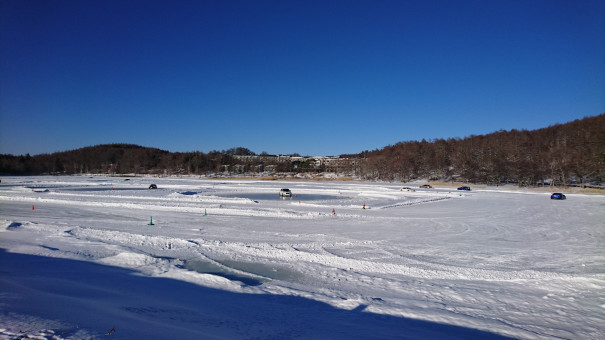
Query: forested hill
[571,152]
[115,159]
[564,153]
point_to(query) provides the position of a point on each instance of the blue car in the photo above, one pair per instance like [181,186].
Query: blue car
[557,196]
[465,188]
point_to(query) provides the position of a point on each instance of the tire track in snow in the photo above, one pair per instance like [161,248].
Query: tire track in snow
[443,272]
[329,259]
[216,209]
[413,202]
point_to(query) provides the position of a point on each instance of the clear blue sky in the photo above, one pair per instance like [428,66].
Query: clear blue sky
[310,77]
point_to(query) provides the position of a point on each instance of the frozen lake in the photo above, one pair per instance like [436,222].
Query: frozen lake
[230,259]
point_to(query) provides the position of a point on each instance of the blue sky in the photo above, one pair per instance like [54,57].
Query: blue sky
[307,77]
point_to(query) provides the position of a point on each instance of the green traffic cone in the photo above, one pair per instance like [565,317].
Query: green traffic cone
[151,220]
[205,212]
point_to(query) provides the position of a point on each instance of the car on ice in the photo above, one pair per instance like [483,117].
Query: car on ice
[557,196]
[285,193]
[153,186]
[465,188]
[426,186]
[407,189]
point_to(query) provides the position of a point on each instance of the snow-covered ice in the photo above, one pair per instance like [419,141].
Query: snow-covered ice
[230,259]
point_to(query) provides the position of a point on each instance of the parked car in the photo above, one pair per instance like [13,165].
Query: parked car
[285,193]
[407,189]
[426,186]
[557,196]
[153,186]
[465,188]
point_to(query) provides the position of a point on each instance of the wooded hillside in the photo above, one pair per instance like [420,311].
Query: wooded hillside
[115,159]
[564,153]
[571,153]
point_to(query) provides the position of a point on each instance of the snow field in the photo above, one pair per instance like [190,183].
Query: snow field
[509,263]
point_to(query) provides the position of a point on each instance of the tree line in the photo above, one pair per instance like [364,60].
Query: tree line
[562,154]
[130,159]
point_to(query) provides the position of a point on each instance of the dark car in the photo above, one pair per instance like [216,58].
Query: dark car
[426,186]
[153,186]
[557,196]
[465,188]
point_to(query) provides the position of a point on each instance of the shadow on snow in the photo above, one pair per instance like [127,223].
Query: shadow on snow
[99,298]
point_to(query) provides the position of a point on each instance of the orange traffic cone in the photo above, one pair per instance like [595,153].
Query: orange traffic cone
[32,207]
[333,212]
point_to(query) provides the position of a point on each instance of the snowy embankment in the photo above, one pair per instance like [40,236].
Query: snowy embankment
[83,257]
